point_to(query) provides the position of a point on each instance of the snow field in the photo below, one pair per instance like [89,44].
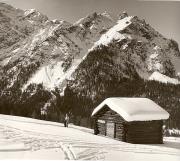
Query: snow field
[25,138]
[163,78]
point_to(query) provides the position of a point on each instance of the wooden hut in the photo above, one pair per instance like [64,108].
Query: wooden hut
[133,120]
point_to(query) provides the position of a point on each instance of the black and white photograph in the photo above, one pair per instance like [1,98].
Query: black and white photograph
[90,80]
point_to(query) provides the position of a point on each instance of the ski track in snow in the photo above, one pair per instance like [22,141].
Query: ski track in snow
[14,139]
[75,143]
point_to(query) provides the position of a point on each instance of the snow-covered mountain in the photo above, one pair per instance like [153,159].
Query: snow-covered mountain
[148,50]
[129,49]
[34,49]
[51,50]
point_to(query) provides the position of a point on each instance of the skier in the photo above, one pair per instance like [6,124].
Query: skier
[66,120]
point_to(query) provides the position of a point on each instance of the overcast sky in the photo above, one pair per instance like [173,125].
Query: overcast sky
[162,15]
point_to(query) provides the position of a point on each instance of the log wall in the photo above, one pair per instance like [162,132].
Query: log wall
[107,115]
[138,132]
[144,132]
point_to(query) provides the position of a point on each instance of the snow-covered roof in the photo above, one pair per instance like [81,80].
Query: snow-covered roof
[134,109]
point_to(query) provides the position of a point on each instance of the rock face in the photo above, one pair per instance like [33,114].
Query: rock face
[45,51]
[34,49]
[129,49]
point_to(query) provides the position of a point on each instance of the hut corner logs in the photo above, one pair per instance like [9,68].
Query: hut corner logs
[133,120]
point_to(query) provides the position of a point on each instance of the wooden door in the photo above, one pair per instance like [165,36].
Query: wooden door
[110,129]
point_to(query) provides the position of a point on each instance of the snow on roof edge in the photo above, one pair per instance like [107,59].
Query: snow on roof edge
[134,109]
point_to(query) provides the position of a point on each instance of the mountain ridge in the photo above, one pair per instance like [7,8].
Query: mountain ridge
[79,38]
[70,68]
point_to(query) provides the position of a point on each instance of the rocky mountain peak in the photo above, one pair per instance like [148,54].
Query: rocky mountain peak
[122,15]
[94,18]
[107,14]
[39,50]
[34,15]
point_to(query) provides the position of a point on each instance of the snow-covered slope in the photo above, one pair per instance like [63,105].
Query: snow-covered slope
[114,34]
[163,78]
[25,138]
[129,49]
[148,50]
[16,24]
[53,50]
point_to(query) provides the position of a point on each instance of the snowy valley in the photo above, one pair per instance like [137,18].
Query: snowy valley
[25,138]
